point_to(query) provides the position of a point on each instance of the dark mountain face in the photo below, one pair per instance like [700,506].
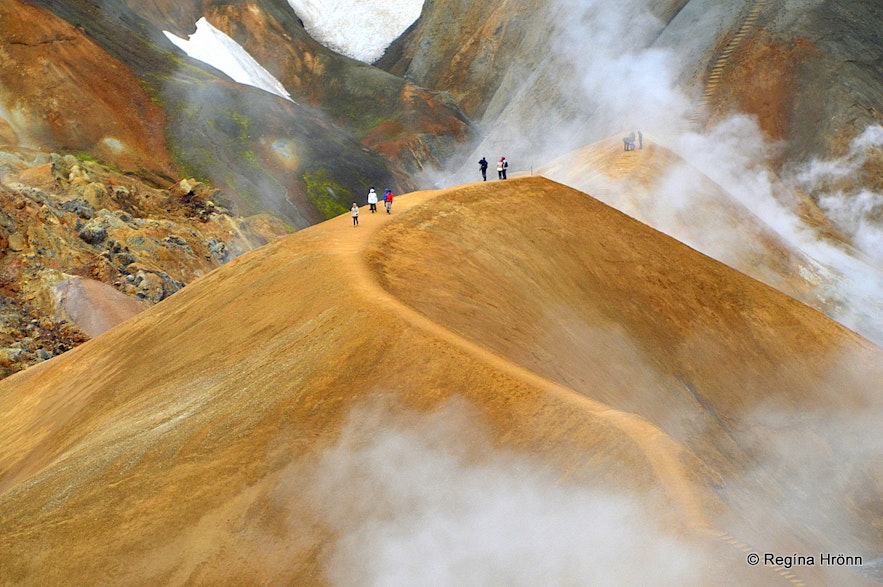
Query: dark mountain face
[350,125]
[557,75]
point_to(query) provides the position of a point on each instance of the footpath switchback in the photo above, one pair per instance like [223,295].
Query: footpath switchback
[187,444]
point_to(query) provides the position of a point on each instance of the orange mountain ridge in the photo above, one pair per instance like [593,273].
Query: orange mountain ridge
[226,435]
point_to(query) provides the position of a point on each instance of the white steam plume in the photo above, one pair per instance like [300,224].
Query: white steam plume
[857,211]
[818,466]
[735,154]
[598,75]
[427,501]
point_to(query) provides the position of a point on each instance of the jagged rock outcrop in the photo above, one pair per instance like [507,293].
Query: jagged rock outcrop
[72,229]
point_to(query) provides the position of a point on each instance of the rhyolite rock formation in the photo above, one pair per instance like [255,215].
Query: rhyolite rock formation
[85,247]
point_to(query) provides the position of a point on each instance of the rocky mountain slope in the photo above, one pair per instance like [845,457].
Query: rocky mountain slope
[350,126]
[85,247]
[674,418]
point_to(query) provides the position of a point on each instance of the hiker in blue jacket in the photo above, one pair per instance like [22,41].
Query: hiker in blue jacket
[482,165]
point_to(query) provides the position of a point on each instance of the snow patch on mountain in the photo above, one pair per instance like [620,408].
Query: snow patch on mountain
[361,29]
[215,48]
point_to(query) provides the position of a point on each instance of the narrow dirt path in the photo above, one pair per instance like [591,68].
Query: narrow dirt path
[662,452]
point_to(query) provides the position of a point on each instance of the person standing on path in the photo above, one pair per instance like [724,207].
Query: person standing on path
[372,200]
[482,165]
[387,200]
[640,140]
[354,211]
[502,165]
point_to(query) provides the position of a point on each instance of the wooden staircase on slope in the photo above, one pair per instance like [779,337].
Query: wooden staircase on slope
[714,78]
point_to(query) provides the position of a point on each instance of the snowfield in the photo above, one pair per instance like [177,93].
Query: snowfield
[361,29]
[215,48]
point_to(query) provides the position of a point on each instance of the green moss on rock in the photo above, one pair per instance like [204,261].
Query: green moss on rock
[325,194]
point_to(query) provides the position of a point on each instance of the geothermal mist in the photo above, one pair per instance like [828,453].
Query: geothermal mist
[607,73]
[853,210]
[426,500]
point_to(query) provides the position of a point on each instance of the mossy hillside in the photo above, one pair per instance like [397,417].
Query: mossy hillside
[329,197]
[225,133]
[221,133]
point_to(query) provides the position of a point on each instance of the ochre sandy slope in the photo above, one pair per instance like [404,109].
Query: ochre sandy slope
[658,187]
[181,447]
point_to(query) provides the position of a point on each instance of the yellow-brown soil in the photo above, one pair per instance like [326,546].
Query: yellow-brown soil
[621,359]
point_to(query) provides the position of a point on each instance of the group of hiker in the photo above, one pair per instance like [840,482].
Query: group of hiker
[628,143]
[502,166]
[373,198]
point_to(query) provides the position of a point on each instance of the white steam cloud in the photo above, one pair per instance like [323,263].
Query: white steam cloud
[597,76]
[857,211]
[819,467]
[736,155]
[427,501]
[626,83]
[614,68]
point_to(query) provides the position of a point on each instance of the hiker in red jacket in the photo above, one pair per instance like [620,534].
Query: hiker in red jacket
[387,200]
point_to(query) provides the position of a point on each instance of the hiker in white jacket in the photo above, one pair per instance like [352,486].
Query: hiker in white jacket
[372,200]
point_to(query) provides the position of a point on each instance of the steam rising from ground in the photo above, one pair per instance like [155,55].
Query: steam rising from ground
[625,82]
[600,76]
[857,211]
[425,500]
[818,467]
[615,75]
[736,155]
